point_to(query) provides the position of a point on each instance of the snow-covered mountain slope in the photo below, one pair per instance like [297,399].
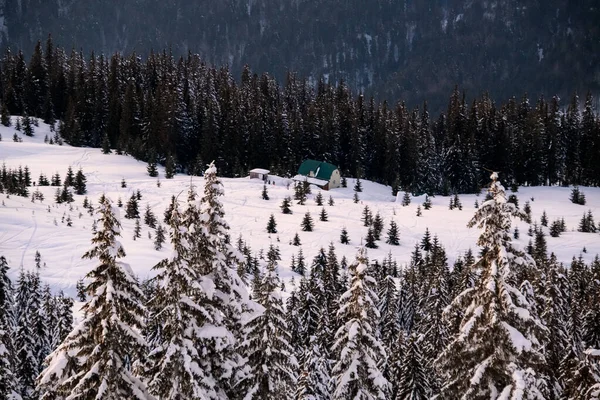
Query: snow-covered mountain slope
[27,227]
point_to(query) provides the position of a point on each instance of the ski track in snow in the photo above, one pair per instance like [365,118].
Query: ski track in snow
[35,225]
[26,227]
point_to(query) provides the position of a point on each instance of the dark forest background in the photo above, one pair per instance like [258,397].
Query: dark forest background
[181,111]
[414,50]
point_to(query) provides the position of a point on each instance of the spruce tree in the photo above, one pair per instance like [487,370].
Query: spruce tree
[137,229]
[149,217]
[370,239]
[307,223]
[272,225]
[265,193]
[419,213]
[159,237]
[358,185]
[323,215]
[79,184]
[406,199]
[496,350]
[544,219]
[296,240]
[8,382]
[331,202]
[367,216]
[413,380]
[344,236]
[270,357]
[80,287]
[356,374]
[170,167]
[377,226]
[393,236]
[27,125]
[427,203]
[95,359]
[173,368]
[223,294]
[131,209]
[285,205]
[152,168]
[69,177]
[319,198]
[26,338]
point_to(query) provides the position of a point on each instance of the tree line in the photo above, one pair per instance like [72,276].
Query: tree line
[185,113]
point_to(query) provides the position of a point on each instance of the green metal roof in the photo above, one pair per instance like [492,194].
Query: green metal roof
[320,169]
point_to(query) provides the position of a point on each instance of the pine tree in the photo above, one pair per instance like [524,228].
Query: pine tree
[344,236]
[419,213]
[356,374]
[159,237]
[27,125]
[427,203]
[393,234]
[8,382]
[265,193]
[4,115]
[131,210]
[26,340]
[355,198]
[314,380]
[267,349]
[81,296]
[79,184]
[544,219]
[106,144]
[358,185]
[223,297]
[319,198]
[96,357]
[170,167]
[149,217]
[473,363]
[323,215]
[272,225]
[152,168]
[377,226]
[406,199]
[69,177]
[137,229]
[367,216]
[285,205]
[173,368]
[296,240]
[331,202]
[300,266]
[307,223]
[370,239]
[413,381]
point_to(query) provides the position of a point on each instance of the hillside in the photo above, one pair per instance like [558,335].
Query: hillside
[29,226]
[410,50]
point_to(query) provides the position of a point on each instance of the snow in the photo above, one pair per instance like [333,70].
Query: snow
[259,171]
[26,227]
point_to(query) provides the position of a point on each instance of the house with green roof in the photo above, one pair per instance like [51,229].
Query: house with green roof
[319,173]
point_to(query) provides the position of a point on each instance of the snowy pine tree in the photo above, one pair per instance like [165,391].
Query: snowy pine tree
[356,373]
[173,370]
[270,357]
[496,352]
[224,297]
[8,382]
[95,360]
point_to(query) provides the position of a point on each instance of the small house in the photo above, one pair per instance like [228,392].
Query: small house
[259,173]
[319,173]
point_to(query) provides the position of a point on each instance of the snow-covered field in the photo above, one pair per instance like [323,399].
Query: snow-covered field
[27,227]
